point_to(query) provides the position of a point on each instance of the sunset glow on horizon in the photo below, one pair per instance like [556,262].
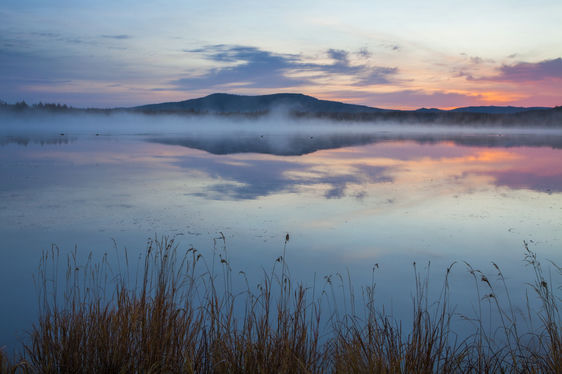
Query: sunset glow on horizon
[401,55]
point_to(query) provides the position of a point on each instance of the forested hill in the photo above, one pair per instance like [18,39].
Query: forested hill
[227,103]
[303,106]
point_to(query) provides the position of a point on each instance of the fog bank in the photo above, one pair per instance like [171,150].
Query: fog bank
[277,133]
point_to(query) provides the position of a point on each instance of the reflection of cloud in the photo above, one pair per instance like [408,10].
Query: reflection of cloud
[257,177]
[248,177]
[526,72]
[362,173]
[374,174]
[520,179]
[256,68]
[252,179]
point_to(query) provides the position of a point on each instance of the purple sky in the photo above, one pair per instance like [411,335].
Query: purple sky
[400,54]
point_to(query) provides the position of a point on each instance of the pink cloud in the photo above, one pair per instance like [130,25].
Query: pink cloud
[526,72]
[412,99]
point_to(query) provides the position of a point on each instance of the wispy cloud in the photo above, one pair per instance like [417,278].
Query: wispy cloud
[256,68]
[59,37]
[476,60]
[364,52]
[253,68]
[377,75]
[119,36]
[413,99]
[525,72]
[339,55]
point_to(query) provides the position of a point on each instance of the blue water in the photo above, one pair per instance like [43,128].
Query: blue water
[349,199]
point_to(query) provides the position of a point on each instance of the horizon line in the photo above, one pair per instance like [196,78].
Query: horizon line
[2,102]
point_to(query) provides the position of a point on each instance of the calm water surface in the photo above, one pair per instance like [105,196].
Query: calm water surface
[347,201]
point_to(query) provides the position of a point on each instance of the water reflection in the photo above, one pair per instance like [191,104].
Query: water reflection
[252,177]
[256,178]
[250,167]
[347,206]
[36,139]
[527,180]
[533,168]
[301,143]
[248,176]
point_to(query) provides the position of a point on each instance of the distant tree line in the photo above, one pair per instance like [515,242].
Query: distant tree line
[543,117]
[22,105]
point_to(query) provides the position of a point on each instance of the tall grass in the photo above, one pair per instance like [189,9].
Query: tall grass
[180,313]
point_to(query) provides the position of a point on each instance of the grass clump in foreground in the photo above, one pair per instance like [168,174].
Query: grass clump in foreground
[179,314]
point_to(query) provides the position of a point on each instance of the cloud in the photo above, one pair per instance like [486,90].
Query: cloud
[58,37]
[76,79]
[119,37]
[412,99]
[251,67]
[364,52]
[30,67]
[526,72]
[476,60]
[377,75]
[340,55]
[47,34]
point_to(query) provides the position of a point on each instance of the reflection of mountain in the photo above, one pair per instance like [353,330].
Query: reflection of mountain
[36,139]
[300,144]
[280,145]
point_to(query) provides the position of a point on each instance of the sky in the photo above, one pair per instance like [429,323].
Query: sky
[387,54]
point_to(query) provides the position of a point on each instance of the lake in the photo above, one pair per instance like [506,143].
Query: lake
[350,196]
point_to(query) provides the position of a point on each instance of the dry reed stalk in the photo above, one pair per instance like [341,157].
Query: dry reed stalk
[182,314]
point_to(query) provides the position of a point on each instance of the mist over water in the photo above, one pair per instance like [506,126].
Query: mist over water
[276,133]
[350,195]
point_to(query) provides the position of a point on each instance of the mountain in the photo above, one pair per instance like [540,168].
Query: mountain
[303,106]
[491,109]
[497,109]
[429,110]
[222,103]
[227,103]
